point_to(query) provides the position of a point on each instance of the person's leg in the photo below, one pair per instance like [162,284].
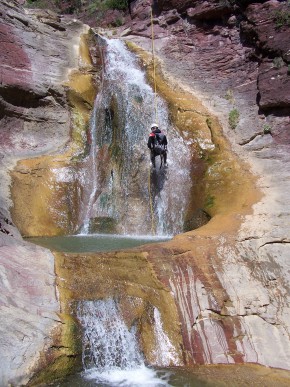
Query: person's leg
[165,157]
[153,158]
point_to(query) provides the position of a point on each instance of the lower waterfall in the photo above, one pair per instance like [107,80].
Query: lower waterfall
[111,354]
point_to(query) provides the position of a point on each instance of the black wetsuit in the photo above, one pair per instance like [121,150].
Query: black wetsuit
[157,143]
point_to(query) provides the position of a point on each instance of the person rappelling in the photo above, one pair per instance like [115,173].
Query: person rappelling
[157,143]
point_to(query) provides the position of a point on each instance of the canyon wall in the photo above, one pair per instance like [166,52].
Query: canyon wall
[40,55]
[235,57]
[227,281]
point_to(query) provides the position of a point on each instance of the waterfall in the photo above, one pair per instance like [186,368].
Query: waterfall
[111,351]
[123,112]
[108,343]
[92,165]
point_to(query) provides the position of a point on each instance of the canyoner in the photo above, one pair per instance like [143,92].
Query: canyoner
[157,143]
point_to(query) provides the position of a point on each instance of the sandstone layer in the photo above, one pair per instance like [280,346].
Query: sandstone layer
[228,281]
[227,304]
[39,52]
[235,58]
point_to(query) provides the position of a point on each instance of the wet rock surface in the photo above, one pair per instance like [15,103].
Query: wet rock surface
[228,281]
[236,62]
[38,51]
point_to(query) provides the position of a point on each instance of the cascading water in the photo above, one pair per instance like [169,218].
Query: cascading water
[108,343]
[92,167]
[165,354]
[111,351]
[119,201]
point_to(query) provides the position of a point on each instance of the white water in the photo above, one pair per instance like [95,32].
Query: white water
[166,354]
[92,165]
[108,343]
[135,377]
[111,352]
[119,181]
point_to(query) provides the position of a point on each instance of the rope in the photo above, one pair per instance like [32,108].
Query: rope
[153,228]
[154,68]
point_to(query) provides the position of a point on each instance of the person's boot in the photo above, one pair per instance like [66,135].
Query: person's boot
[165,160]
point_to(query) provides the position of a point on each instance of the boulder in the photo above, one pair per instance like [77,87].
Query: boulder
[274,84]
[209,10]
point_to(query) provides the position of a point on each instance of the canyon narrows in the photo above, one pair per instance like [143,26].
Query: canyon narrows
[218,292]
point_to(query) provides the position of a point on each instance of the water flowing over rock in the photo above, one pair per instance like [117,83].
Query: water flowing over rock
[107,342]
[235,61]
[222,290]
[165,352]
[111,348]
[122,182]
[140,309]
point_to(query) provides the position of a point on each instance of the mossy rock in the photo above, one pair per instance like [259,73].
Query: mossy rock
[63,358]
[103,224]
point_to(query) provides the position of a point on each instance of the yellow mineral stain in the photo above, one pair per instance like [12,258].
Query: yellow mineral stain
[43,205]
[117,275]
[227,189]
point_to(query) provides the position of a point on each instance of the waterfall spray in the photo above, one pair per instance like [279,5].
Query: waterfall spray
[120,160]
[108,343]
[111,352]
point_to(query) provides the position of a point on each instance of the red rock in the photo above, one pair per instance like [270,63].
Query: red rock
[113,18]
[36,57]
[171,16]
[140,9]
[179,5]
[15,65]
[274,85]
[207,10]
[264,29]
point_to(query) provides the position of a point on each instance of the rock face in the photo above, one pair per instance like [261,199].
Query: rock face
[232,288]
[38,52]
[62,94]
[29,308]
[117,276]
[228,281]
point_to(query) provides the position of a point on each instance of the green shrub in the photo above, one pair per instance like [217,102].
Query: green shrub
[103,5]
[267,129]
[234,117]
[282,18]
[42,4]
[209,202]
[230,96]
[119,22]
[116,4]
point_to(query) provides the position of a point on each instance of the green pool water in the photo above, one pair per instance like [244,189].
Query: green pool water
[94,243]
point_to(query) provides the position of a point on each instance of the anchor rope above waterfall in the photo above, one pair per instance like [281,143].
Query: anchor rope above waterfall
[153,226]
[154,68]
